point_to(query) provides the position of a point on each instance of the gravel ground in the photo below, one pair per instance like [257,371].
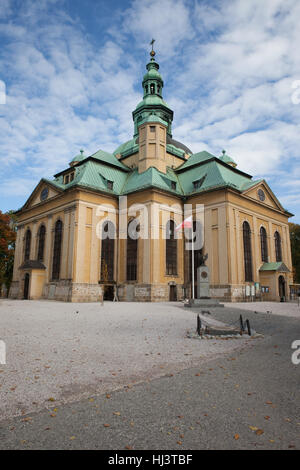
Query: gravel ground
[65,352]
[286,309]
[243,399]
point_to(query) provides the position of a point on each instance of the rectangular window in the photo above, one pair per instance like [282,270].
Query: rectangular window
[71,176]
[66,179]
[110,184]
[152,128]
[173,185]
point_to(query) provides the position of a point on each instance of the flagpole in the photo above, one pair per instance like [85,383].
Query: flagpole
[193,270]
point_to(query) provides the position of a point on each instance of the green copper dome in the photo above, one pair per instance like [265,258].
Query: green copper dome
[78,158]
[152,100]
[227,159]
[152,73]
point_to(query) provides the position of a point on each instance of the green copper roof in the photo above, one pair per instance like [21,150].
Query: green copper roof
[127,148]
[95,175]
[196,158]
[152,178]
[204,173]
[278,266]
[152,100]
[213,175]
[109,158]
[152,118]
[131,146]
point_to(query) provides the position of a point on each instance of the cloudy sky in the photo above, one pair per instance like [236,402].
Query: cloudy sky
[72,72]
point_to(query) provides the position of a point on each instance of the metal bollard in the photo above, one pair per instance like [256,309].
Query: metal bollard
[242,323]
[198,325]
[248,327]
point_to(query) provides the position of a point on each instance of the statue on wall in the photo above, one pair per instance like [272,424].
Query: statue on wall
[203,258]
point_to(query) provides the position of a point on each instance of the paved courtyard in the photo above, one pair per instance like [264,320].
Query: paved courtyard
[271,308]
[60,352]
[247,398]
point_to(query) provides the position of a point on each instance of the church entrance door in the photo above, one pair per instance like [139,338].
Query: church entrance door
[173,294]
[26,286]
[108,293]
[281,285]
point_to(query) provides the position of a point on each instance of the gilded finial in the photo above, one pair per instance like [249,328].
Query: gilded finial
[152,52]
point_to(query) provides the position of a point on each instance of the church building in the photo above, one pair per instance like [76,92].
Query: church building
[72,239]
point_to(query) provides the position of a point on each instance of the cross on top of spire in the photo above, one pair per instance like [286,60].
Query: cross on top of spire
[152,53]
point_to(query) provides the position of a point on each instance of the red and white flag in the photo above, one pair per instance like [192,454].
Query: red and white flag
[187,223]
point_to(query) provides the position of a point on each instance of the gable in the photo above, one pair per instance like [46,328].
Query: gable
[262,190]
[43,189]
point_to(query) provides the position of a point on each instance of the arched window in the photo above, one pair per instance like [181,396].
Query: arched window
[263,244]
[152,89]
[41,243]
[171,248]
[278,252]
[132,250]
[27,245]
[57,250]
[247,252]
[107,251]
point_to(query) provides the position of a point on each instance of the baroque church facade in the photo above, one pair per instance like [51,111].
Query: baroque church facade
[72,242]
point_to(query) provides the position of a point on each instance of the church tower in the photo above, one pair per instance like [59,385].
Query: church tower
[152,121]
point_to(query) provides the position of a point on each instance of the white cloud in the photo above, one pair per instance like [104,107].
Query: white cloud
[228,69]
[167,21]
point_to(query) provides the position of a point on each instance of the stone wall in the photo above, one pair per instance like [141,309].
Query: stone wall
[14,291]
[147,292]
[67,291]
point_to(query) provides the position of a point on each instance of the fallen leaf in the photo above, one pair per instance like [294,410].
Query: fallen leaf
[108,396]
[106,425]
[179,443]
[72,438]
[236,437]
[267,417]
[51,399]
[53,415]
[128,447]
[117,413]
[259,432]
[253,428]
[269,403]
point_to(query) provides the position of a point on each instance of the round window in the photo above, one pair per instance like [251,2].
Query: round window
[44,194]
[261,195]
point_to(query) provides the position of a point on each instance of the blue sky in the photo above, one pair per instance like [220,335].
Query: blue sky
[73,70]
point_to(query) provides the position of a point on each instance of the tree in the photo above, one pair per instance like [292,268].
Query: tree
[7,246]
[295,247]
